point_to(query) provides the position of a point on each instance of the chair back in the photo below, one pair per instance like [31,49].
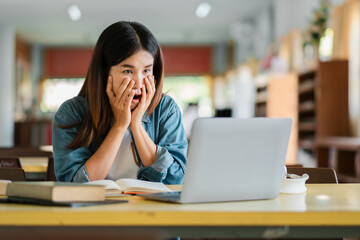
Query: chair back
[316,175]
[13,162]
[12,174]
[50,173]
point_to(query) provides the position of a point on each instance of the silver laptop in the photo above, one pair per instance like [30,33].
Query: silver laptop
[233,159]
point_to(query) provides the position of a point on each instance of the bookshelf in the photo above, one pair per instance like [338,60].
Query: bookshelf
[33,133]
[307,110]
[261,95]
[323,103]
[332,99]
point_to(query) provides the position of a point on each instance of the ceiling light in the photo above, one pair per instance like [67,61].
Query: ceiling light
[203,10]
[74,12]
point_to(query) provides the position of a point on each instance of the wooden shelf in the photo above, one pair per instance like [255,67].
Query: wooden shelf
[33,133]
[307,110]
[323,103]
[261,97]
[308,106]
[25,152]
[307,86]
[323,119]
[307,126]
[261,82]
[345,143]
[260,110]
[342,154]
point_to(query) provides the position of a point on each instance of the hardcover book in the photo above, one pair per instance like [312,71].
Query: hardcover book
[56,191]
[3,186]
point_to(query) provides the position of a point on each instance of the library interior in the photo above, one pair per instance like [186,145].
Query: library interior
[297,59]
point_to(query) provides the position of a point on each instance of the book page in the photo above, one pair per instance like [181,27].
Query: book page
[109,184]
[135,185]
[3,186]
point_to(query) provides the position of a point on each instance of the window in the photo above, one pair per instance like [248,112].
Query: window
[326,45]
[187,90]
[55,91]
[192,94]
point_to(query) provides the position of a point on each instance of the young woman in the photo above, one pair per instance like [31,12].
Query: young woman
[121,125]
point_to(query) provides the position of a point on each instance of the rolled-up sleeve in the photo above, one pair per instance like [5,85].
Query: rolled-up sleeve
[169,166]
[69,164]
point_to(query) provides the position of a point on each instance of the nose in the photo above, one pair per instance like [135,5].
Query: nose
[139,80]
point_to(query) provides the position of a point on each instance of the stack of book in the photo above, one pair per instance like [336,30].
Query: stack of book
[52,193]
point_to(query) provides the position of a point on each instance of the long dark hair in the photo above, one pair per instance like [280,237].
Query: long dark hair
[116,43]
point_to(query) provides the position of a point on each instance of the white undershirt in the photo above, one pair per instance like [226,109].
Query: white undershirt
[124,165]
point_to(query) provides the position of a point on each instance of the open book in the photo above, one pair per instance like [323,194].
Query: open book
[130,186]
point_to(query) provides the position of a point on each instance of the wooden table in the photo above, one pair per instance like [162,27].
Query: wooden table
[341,154]
[34,160]
[325,210]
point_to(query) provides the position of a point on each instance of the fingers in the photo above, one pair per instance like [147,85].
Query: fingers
[124,94]
[109,90]
[127,92]
[143,94]
[150,85]
[123,86]
[129,98]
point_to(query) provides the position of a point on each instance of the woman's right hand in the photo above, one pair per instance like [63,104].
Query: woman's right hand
[120,101]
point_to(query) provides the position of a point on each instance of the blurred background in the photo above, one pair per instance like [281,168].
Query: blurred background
[239,58]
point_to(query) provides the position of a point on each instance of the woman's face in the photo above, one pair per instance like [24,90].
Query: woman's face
[136,67]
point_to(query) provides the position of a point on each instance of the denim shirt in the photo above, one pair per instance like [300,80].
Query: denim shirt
[164,127]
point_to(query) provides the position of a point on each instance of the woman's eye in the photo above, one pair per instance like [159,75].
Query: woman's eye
[127,71]
[147,71]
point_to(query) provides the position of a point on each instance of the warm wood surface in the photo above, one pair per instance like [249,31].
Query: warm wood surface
[322,205]
[323,102]
[345,143]
[282,102]
[332,99]
[25,152]
[33,159]
[342,154]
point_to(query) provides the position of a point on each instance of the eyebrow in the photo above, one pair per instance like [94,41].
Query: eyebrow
[131,66]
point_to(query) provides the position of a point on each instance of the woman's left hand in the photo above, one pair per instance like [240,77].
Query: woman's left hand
[147,94]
